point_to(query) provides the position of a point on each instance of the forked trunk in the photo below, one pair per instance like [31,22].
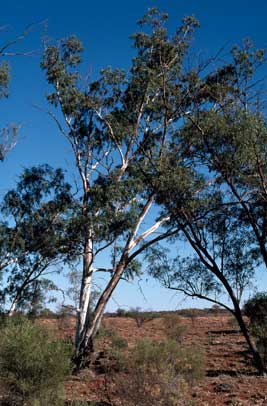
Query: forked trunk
[85,292]
[85,348]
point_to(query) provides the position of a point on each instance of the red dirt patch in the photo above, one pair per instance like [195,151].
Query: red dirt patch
[230,377]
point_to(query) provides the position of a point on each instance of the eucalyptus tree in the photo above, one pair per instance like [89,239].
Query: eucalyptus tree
[116,126]
[33,239]
[220,263]
[212,184]
[230,141]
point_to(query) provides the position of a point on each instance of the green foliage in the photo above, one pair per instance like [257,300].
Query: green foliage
[259,331]
[174,327]
[140,316]
[256,310]
[37,211]
[32,366]
[4,79]
[110,113]
[188,361]
[121,312]
[116,342]
[158,374]
[113,347]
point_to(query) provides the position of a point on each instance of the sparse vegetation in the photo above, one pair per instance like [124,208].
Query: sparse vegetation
[33,367]
[174,327]
[140,316]
[256,310]
[154,374]
[167,180]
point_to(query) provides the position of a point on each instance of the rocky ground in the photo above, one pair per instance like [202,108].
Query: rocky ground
[230,378]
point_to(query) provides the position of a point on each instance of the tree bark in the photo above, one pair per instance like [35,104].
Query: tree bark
[258,362]
[13,306]
[84,311]
[85,346]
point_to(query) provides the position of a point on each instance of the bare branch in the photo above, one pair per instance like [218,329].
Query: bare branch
[149,231]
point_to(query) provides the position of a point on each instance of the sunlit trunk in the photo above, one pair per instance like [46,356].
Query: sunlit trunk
[13,306]
[85,347]
[83,311]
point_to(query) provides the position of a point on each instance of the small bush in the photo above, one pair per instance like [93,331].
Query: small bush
[141,317]
[157,374]
[174,327]
[260,333]
[110,345]
[256,310]
[32,367]
[47,314]
[233,323]
[114,340]
[121,312]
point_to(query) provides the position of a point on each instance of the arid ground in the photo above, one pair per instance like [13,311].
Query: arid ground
[230,378]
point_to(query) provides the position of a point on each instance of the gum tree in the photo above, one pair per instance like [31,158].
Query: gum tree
[116,126]
[230,142]
[212,184]
[220,263]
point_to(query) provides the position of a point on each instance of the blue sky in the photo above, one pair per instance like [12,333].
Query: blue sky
[104,27]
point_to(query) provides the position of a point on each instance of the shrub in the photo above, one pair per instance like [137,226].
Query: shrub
[175,329]
[32,367]
[141,317]
[109,346]
[157,374]
[256,310]
[260,334]
[114,340]
[47,314]
[121,312]
[233,323]
[191,314]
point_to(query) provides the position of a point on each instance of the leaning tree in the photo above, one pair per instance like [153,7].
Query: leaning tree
[119,127]
[116,125]
[211,182]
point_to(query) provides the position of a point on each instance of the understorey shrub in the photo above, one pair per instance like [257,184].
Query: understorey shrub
[174,327]
[110,347]
[141,317]
[112,338]
[121,312]
[256,310]
[233,323]
[156,374]
[32,366]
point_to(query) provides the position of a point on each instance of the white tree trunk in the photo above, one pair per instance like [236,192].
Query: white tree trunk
[83,311]
[92,326]
[13,307]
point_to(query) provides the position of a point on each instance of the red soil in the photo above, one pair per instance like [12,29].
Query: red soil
[230,377]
